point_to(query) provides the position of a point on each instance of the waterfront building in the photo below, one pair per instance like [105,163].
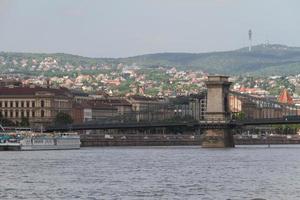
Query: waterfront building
[197,104]
[101,109]
[148,108]
[37,104]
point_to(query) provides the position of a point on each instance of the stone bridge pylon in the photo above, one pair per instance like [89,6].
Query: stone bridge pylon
[218,111]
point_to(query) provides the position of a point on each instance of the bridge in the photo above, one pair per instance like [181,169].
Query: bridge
[220,113]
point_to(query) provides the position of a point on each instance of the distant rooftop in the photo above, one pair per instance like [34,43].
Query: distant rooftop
[25,91]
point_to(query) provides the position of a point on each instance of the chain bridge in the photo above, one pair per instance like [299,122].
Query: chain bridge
[217,112]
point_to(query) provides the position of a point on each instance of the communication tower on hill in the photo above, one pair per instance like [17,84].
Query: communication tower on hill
[250,39]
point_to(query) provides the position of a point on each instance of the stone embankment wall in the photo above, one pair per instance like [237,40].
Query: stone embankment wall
[138,140]
[250,141]
[90,140]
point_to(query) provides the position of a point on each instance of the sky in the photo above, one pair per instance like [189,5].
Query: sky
[122,28]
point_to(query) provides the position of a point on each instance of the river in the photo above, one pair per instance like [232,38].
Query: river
[189,172]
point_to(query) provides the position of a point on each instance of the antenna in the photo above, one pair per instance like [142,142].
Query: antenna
[250,39]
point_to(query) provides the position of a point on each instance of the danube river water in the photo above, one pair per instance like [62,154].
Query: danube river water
[253,172]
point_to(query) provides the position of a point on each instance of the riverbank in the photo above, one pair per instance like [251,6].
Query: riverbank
[94,140]
[138,140]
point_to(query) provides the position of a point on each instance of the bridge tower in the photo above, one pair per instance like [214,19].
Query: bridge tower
[217,113]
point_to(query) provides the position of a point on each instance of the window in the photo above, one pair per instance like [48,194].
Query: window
[22,104]
[42,113]
[17,104]
[33,104]
[27,104]
[22,113]
[5,113]
[27,113]
[11,104]
[17,113]
[5,103]
[11,113]
[0,103]
[33,114]
[42,103]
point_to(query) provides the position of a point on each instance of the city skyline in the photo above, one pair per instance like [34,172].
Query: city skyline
[129,28]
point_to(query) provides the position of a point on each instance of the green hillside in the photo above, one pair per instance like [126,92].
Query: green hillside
[263,59]
[270,59]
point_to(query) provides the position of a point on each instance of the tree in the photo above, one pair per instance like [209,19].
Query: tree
[6,122]
[24,122]
[239,116]
[63,119]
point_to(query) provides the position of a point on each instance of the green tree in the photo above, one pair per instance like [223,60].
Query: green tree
[63,119]
[24,122]
[6,122]
[239,116]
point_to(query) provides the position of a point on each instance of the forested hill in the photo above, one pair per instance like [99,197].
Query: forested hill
[263,59]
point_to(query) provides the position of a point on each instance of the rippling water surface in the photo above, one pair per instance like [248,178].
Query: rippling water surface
[152,173]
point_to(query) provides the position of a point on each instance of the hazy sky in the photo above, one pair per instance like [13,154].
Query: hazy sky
[119,28]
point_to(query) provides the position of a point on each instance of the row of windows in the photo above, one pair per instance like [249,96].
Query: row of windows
[20,104]
[21,113]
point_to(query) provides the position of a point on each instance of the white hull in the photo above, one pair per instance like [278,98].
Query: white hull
[43,143]
[48,147]
[46,143]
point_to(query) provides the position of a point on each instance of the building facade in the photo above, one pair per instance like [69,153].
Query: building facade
[38,105]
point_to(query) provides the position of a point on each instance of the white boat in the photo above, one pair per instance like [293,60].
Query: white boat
[56,142]
[26,141]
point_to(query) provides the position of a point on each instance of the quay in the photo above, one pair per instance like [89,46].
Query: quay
[94,140]
[104,140]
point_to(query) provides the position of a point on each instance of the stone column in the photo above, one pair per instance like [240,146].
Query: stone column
[218,113]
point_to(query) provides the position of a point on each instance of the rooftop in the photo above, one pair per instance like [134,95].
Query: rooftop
[28,91]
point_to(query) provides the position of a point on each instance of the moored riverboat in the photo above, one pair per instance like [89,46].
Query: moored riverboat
[28,140]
